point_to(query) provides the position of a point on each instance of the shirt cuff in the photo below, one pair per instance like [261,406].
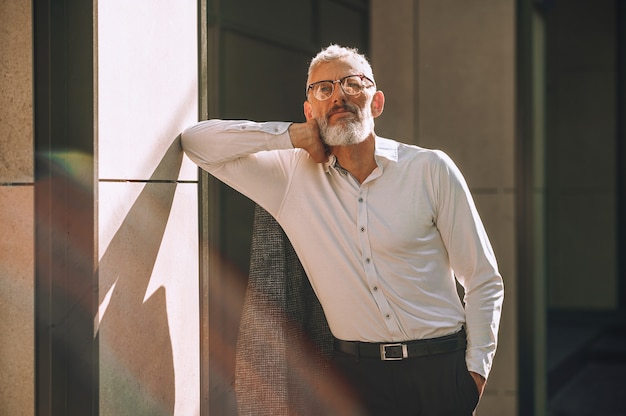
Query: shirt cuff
[275,127]
[277,132]
[480,365]
[279,129]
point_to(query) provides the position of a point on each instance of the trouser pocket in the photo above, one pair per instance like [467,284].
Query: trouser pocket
[467,389]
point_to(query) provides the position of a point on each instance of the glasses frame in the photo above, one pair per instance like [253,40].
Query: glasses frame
[340,82]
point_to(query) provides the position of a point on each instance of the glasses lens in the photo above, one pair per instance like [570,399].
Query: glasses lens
[323,90]
[352,85]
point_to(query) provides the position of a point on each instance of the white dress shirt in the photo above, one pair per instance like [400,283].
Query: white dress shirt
[382,256]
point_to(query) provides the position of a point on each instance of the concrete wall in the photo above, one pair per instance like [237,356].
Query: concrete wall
[447,68]
[16,211]
[148,275]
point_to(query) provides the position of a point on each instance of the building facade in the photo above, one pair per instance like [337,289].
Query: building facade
[123,268]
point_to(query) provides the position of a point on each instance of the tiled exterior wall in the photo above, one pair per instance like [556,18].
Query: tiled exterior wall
[16,301]
[148,319]
[448,72]
[16,211]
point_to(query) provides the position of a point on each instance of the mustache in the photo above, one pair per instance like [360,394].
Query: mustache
[342,107]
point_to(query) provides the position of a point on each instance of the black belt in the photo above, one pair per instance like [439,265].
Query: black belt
[402,350]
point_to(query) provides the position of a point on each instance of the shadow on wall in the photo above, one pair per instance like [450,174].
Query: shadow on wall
[136,361]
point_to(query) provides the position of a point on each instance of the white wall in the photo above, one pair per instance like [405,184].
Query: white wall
[148,319]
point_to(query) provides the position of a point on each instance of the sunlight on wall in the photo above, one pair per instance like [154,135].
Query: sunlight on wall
[147,209]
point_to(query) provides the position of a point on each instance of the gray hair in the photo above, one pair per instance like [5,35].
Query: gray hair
[334,52]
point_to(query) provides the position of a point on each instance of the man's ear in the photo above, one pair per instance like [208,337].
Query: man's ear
[308,111]
[378,103]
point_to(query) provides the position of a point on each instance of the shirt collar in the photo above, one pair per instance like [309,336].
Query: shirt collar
[385,148]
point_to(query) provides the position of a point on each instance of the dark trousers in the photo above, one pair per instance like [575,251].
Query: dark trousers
[433,385]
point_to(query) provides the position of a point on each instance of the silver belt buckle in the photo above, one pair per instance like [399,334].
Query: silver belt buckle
[383,352]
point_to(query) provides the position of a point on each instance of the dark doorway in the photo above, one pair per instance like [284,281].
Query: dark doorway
[584,174]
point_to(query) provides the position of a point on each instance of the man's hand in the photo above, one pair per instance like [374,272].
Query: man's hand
[307,136]
[480,382]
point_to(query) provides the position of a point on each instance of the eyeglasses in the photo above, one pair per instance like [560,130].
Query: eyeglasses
[350,85]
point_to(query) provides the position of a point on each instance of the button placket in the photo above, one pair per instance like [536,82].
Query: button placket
[362,228]
[368,264]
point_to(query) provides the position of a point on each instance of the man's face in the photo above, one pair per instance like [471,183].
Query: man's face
[343,119]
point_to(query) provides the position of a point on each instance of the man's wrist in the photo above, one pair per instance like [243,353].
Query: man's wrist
[480,382]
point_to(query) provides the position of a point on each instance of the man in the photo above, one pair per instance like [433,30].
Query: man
[382,230]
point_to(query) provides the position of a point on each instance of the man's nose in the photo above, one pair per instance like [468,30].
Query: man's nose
[338,93]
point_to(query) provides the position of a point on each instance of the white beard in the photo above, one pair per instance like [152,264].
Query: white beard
[345,133]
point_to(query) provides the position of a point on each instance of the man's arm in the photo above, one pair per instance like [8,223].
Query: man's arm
[474,264]
[253,158]
[256,159]
[212,143]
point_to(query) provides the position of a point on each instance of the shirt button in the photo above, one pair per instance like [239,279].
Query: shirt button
[360,199]
[362,229]
[387,316]
[375,288]
[367,260]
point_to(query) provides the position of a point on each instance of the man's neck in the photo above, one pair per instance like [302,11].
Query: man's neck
[357,159]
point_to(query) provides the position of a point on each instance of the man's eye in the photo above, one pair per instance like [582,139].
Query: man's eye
[325,88]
